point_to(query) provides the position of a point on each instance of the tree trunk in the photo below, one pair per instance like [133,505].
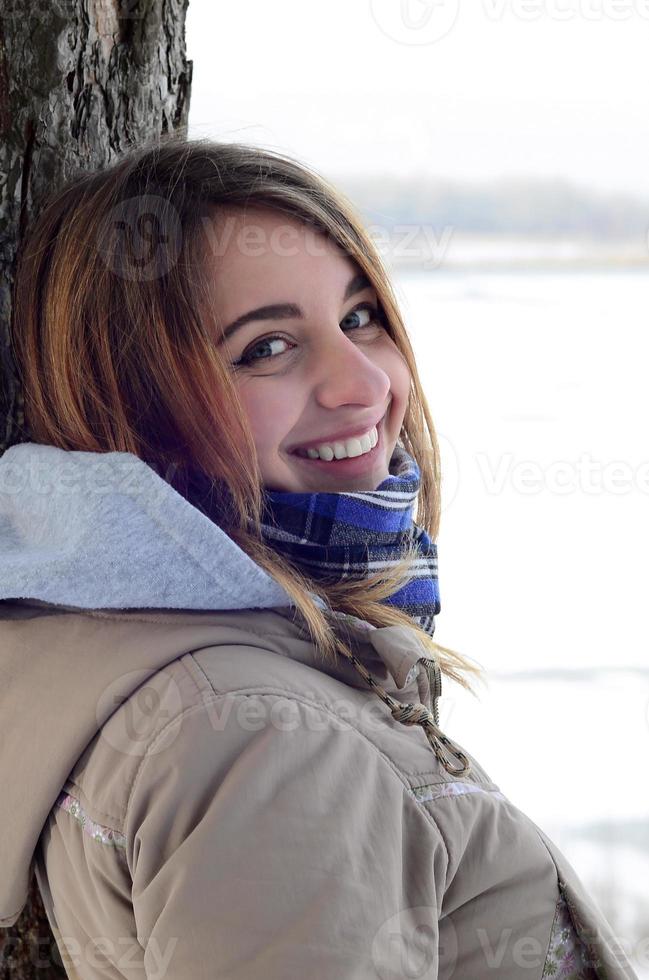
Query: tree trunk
[81,82]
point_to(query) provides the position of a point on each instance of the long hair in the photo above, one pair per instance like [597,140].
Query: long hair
[114,351]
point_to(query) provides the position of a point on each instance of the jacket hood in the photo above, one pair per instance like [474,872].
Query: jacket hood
[82,531]
[103,530]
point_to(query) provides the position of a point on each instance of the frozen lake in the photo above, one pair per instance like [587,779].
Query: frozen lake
[537,383]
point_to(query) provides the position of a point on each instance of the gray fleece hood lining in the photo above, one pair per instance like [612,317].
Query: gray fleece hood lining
[104,530]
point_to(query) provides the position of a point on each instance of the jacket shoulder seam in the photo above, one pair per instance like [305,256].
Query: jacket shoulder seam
[195,666]
[74,788]
[292,696]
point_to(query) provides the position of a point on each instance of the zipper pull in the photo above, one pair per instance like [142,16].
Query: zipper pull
[434,674]
[444,749]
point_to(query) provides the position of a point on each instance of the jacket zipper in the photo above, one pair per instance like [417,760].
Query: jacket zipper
[435,683]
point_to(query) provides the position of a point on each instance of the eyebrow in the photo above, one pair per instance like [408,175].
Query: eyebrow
[288,311]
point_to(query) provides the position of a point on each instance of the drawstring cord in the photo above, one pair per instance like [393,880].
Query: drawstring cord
[418,714]
[410,714]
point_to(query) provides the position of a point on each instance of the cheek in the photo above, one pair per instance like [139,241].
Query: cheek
[268,416]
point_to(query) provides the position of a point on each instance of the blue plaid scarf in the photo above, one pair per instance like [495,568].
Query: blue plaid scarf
[353,534]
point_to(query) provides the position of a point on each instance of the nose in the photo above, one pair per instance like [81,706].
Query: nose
[345,373]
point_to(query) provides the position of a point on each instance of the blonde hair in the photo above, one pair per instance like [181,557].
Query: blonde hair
[112,359]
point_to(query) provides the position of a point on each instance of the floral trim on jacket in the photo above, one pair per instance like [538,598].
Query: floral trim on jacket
[568,958]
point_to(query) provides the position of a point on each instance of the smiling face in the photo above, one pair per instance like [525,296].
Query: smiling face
[318,370]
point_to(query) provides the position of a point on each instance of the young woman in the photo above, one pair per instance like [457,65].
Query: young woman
[221,750]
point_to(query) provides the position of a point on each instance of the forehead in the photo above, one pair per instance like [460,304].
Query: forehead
[260,243]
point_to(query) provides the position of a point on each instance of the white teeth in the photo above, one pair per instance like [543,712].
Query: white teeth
[353,447]
[342,450]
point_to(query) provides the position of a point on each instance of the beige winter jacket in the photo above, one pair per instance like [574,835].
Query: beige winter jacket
[201,796]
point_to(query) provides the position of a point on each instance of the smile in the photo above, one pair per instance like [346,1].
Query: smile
[343,448]
[355,465]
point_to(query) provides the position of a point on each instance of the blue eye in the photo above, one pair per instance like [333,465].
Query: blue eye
[362,309]
[247,357]
[376,318]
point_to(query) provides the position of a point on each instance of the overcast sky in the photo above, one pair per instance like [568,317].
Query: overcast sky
[468,90]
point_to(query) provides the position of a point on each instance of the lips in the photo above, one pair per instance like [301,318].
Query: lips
[338,437]
[350,466]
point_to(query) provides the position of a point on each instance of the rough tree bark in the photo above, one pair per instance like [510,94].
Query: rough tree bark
[81,81]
